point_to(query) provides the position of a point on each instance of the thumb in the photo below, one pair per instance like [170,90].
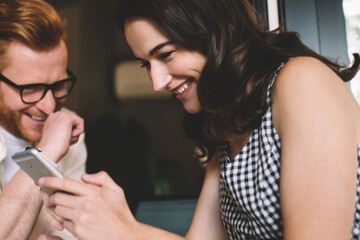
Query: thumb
[101,179]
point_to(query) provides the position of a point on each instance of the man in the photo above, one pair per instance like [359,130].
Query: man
[34,84]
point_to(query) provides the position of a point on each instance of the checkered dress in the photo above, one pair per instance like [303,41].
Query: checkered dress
[249,185]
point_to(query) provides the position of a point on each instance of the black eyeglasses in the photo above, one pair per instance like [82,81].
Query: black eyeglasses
[33,93]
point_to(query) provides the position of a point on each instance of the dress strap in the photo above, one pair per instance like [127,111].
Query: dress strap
[271,83]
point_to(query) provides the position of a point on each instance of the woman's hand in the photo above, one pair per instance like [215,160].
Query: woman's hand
[61,129]
[48,237]
[95,209]
[54,220]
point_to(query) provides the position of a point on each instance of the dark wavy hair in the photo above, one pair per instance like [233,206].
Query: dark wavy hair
[241,57]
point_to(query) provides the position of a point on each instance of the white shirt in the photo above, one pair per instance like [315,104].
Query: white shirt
[13,145]
[2,156]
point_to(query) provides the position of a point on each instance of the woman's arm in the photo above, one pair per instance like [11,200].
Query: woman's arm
[316,117]
[206,222]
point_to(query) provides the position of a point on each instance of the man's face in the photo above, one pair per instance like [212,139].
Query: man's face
[26,66]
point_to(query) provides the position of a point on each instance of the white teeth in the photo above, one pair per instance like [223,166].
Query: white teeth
[38,118]
[182,88]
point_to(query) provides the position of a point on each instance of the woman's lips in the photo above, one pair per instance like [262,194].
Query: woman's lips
[182,91]
[182,88]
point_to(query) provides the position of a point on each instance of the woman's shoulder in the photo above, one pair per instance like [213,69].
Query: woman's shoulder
[304,67]
[304,85]
[307,74]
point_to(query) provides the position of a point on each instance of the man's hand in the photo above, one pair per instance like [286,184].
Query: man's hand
[61,129]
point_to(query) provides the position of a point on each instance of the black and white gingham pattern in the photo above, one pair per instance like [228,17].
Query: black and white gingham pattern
[249,185]
[356,225]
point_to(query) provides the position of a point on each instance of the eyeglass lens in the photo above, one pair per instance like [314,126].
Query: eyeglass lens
[35,93]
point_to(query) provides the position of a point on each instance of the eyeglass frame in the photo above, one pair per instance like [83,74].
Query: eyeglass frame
[47,86]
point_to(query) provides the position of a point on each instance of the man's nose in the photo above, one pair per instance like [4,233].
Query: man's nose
[160,77]
[48,103]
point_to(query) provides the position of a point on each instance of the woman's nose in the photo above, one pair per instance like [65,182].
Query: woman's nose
[160,77]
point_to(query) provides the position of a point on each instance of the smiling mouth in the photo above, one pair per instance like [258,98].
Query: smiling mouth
[36,118]
[183,87]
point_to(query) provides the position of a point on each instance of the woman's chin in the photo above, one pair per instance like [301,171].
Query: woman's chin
[193,109]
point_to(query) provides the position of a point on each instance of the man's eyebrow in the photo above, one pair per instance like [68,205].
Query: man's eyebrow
[158,47]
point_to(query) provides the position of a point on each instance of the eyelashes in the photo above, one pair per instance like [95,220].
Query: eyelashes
[144,64]
[163,56]
[166,55]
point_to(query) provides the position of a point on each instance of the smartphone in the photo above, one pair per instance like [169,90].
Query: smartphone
[36,165]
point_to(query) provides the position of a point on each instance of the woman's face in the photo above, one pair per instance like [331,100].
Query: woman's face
[169,66]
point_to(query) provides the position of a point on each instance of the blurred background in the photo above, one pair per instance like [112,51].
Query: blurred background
[137,136]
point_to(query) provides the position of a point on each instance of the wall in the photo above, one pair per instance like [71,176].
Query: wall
[321,25]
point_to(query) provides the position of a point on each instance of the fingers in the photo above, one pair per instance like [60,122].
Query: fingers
[73,122]
[44,196]
[65,184]
[101,179]
[74,140]
[48,237]
[69,225]
[78,129]
[68,185]
[53,221]
[65,207]
[66,200]
[61,129]
[78,126]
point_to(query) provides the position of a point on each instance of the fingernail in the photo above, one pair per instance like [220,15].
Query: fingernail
[59,226]
[41,181]
[87,176]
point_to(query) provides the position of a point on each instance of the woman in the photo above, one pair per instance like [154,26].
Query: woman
[280,129]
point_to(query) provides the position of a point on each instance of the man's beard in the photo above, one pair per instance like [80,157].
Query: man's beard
[10,120]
